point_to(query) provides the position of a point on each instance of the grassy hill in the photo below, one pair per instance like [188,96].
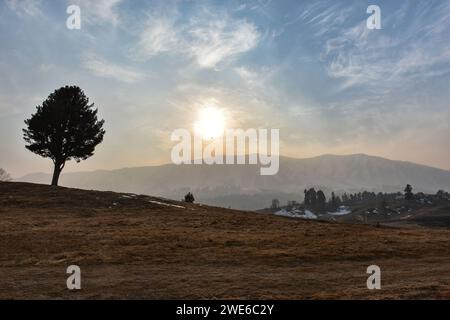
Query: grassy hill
[131,246]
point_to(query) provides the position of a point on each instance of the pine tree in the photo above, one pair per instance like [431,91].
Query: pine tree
[275,204]
[408,192]
[65,127]
[333,202]
[321,201]
[189,197]
[345,198]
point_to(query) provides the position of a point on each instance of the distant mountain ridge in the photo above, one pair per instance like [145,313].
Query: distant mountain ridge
[242,187]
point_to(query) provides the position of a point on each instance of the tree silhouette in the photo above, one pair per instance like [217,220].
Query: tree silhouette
[275,204]
[321,201]
[4,176]
[408,192]
[65,127]
[310,198]
[334,204]
[189,197]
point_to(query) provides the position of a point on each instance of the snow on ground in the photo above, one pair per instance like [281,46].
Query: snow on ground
[343,210]
[128,196]
[166,204]
[296,214]
[310,215]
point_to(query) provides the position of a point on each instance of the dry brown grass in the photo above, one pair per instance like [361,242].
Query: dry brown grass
[138,249]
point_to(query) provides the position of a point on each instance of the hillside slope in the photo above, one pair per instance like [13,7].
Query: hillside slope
[132,246]
[242,187]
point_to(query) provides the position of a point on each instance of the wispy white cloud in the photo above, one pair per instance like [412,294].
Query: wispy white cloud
[360,56]
[211,40]
[256,78]
[104,69]
[99,10]
[323,16]
[46,67]
[246,74]
[25,7]
[221,39]
[159,36]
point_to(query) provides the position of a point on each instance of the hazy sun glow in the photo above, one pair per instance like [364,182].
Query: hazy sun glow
[210,123]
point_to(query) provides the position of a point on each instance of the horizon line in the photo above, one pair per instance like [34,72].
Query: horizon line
[280,156]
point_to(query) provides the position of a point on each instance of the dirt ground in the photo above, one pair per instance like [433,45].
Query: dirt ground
[132,247]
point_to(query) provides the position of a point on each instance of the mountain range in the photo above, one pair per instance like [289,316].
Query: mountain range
[242,186]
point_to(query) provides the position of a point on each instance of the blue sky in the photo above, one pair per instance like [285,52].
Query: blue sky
[310,68]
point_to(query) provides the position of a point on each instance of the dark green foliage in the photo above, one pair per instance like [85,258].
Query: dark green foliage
[441,194]
[275,204]
[65,127]
[321,201]
[189,197]
[310,198]
[315,200]
[336,201]
[408,192]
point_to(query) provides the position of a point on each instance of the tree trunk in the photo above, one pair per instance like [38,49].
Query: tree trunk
[56,172]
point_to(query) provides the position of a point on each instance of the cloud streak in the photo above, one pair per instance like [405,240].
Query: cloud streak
[99,10]
[221,39]
[101,68]
[210,41]
[363,57]
[25,7]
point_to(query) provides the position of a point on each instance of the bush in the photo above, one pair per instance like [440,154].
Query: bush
[189,198]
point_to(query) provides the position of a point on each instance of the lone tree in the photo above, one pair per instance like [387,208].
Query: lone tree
[408,192]
[4,176]
[189,197]
[65,127]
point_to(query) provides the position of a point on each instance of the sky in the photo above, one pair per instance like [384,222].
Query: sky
[309,68]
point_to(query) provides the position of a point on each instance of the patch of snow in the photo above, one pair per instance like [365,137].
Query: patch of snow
[310,215]
[127,196]
[296,213]
[166,204]
[342,211]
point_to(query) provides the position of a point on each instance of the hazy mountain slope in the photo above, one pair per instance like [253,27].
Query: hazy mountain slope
[241,186]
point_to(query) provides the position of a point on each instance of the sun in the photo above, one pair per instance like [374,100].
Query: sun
[210,123]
